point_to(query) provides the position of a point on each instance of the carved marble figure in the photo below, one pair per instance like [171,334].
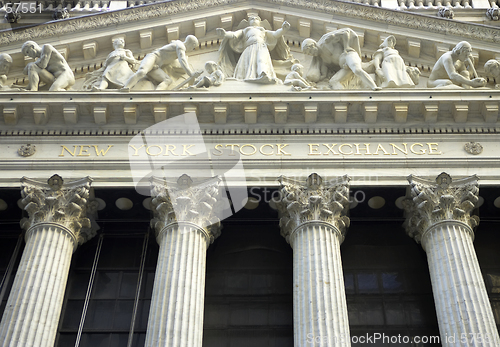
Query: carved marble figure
[258,46]
[295,78]
[50,67]
[451,69]
[5,64]
[390,67]
[117,68]
[215,76]
[492,68]
[153,62]
[339,51]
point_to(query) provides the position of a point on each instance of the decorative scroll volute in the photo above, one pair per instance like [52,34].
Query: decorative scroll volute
[313,201]
[184,202]
[66,204]
[431,202]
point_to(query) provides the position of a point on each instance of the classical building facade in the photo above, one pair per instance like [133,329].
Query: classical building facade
[250,173]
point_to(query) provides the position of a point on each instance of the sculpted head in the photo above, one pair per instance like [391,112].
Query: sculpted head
[310,47]
[463,49]
[492,68]
[390,41]
[191,42]
[254,20]
[297,68]
[119,43]
[211,66]
[30,49]
[5,63]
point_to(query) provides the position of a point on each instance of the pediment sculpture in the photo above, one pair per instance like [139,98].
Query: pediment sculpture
[252,55]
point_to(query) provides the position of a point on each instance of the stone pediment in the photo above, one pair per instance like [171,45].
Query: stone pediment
[86,41]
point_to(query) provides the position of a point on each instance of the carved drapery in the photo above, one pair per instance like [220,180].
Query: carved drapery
[58,220]
[439,217]
[313,220]
[185,223]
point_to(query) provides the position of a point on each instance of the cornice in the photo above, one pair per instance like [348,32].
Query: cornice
[165,9]
[345,112]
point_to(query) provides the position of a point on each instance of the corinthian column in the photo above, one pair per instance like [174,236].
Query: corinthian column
[439,217]
[57,224]
[313,220]
[185,223]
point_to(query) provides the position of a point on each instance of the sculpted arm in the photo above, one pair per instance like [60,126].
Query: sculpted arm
[377,61]
[280,32]
[181,56]
[45,55]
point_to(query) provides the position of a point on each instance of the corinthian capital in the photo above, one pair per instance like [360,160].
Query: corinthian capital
[313,201]
[185,202]
[430,202]
[65,204]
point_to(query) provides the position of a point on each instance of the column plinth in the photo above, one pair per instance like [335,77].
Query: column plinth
[313,221]
[439,217]
[57,223]
[185,225]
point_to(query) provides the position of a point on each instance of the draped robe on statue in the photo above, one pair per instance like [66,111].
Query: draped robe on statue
[257,47]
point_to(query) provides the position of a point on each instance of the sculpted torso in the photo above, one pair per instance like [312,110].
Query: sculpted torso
[330,53]
[254,35]
[166,54]
[56,64]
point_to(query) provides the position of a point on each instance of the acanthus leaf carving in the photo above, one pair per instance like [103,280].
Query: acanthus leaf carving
[431,202]
[68,205]
[313,201]
[185,202]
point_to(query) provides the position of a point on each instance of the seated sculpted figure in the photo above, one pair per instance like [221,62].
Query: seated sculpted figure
[337,51]
[390,67]
[215,76]
[451,69]
[117,67]
[152,63]
[295,78]
[50,67]
[5,64]
[492,68]
[255,44]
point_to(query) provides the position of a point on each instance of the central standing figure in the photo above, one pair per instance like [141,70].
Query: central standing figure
[255,44]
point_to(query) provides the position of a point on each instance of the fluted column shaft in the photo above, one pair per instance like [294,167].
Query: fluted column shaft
[176,314]
[34,305]
[186,221]
[438,215]
[319,303]
[58,222]
[313,220]
[462,305]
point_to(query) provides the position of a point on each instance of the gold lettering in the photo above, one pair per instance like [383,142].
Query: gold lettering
[102,152]
[342,146]
[185,150]
[171,150]
[84,152]
[136,149]
[421,151]
[366,148]
[66,148]
[313,149]
[217,148]
[432,150]
[394,147]
[279,149]
[330,148]
[247,145]
[380,147]
[261,149]
[232,145]
[157,146]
